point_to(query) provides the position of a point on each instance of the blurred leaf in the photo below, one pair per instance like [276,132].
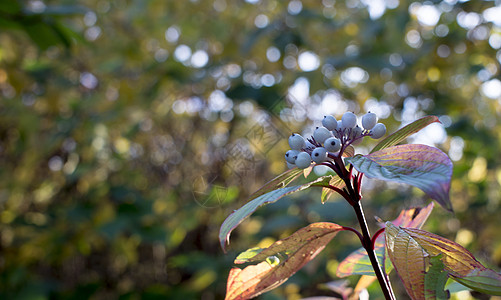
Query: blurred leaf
[10,6]
[363,283]
[401,134]
[46,35]
[422,166]
[413,217]
[358,263]
[65,10]
[279,261]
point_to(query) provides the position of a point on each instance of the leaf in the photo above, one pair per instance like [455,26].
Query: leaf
[363,283]
[349,151]
[406,131]
[408,259]
[237,217]
[279,261]
[417,245]
[484,281]
[327,192]
[413,217]
[10,7]
[358,263]
[280,181]
[457,260]
[246,255]
[422,166]
[435,280]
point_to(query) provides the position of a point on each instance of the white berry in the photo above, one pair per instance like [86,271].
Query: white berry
[378,131]
[321,170]
[291,155]
[369,120]
[329,122]
[303,160]
[356,132]
[339,125]
[319,155]
[349,120]
[321,134]
[296,141]
[332,144]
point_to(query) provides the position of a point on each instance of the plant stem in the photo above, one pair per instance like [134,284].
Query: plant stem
[353,196]
[367,244]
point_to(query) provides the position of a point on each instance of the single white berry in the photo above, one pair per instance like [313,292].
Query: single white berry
[356,132]
[321,134]
[332,144]
[291,155]
[319,155]
[321,170]
[303,160]
[329,122]
[340,125]
[296,141]
[369,120]
[378,131]
[349,120]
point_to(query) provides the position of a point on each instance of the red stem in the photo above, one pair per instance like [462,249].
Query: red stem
[375,236]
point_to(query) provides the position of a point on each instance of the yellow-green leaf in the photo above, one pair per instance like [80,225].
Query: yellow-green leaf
[404,132]
[237,217]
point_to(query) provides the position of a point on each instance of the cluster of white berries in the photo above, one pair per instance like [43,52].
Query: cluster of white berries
[330,140]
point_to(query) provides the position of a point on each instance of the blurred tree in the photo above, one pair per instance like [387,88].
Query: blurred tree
[130,129]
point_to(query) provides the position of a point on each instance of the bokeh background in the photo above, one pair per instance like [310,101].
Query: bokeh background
[130,129]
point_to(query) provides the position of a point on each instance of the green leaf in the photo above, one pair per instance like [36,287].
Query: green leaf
[247,255]
[280,181]
[279,261]
[422,166]
[358,262]
[237,217]
[435,280]
[484,281]
[10,6]
[406,131]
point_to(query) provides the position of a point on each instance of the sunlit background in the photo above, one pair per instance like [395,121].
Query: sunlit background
[130,129]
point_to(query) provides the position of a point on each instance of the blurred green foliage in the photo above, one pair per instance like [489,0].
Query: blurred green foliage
[130,129]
